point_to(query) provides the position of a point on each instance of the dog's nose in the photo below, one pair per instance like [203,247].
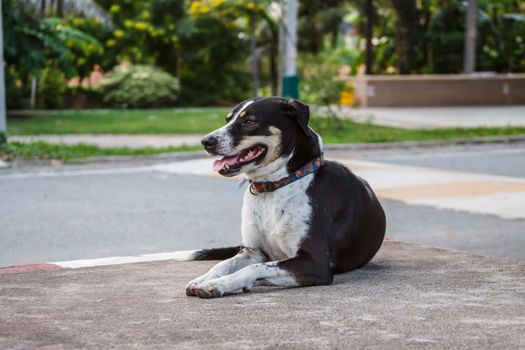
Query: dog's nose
[209,142]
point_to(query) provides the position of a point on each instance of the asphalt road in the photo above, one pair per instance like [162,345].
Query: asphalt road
[115,211]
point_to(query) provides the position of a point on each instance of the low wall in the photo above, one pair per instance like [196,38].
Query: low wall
[440,90]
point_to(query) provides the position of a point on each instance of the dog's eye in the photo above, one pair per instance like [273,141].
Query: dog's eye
[248,122]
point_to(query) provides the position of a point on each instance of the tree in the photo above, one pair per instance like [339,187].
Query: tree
[31,43]
[407,35]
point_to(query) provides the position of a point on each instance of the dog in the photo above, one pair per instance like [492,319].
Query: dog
[304,219]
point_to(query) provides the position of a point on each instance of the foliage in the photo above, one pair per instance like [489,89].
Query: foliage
[319,19]
[51,88]
[428,36]
[209,45]
[203,48]
[14,92]
[44,150]
[321,81]
[139,86]
[32,43]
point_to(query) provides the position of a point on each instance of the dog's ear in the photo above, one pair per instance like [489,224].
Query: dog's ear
[301,112]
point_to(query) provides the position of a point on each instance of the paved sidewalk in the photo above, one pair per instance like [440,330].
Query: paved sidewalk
[409,296]
[439,117]
[108,140]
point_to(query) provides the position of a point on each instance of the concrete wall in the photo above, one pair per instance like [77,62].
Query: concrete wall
[440,90]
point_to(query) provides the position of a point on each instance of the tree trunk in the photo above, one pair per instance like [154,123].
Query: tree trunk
[273,56]
[255,55]
[60,8]
[369,10]
[407,30]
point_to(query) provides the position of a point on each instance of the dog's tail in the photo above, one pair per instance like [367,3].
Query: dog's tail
[207,254]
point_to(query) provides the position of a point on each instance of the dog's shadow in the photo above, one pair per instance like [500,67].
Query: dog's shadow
[372,272]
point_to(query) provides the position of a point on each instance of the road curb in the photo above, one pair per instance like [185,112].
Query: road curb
[163,157]
[511,139]
[170,157]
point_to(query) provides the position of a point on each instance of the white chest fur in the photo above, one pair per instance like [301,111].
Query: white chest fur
[277,221]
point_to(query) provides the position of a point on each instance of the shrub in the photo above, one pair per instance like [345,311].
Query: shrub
[51,88]
[321,82]
[14,91]
[139,86]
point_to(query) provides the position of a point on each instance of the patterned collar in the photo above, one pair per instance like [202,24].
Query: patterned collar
[270,186]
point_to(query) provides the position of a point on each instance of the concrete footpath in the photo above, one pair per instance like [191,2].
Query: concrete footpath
[112,140]
[439,117]
[410,296]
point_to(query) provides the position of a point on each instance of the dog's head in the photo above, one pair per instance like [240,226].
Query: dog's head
[261,135]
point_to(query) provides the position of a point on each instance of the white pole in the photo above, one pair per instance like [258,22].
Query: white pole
[291,38]
[469,64]
[290,79]
[3,123]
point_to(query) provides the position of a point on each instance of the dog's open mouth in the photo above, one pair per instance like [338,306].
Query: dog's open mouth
[232,164]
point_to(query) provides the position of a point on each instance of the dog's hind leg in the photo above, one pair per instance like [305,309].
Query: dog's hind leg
[299,271]
[245,257]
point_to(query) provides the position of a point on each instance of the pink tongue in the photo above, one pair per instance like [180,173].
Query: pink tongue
[220,163]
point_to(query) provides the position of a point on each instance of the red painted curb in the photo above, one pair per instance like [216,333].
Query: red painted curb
[29,268]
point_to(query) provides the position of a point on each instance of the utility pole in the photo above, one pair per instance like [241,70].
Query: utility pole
[290,78]
[3,124]
[469,58]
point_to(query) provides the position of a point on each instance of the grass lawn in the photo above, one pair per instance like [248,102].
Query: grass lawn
[190,121]
[149,121]
[45,150]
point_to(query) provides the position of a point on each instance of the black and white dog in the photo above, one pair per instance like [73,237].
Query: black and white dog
[303,219]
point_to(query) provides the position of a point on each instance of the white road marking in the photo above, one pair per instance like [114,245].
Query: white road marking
[181,255]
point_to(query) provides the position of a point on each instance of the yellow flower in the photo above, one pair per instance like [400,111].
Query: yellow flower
[114,8]
[111,43]
[118,33]
[128,23]
[145,14]
[174,39]
[250,5]
[141,25]
[78,21]
[194,8]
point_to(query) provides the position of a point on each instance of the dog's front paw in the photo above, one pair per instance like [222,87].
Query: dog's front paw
[210,289]
[193,284]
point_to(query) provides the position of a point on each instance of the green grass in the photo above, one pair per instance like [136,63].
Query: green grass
[345,131]
[190,121]
[203,120]
[45,150]
[152,121]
